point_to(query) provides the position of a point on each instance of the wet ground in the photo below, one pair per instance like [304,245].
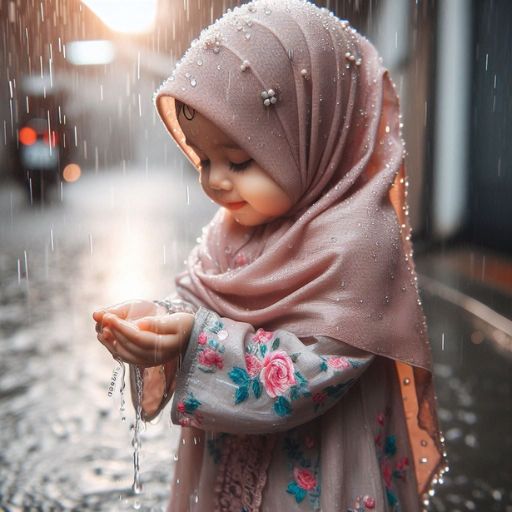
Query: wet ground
[125,234]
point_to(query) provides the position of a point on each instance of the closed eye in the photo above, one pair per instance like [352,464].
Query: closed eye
[240,167]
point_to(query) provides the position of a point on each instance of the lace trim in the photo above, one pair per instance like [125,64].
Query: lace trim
[242,473]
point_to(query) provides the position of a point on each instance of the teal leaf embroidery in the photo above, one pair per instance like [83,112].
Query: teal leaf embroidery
[239,375]
[323,366]
[294,393]
[295,356]
[302,380]
[390,445]
[294,489]
[282,407]
[391,496]
[241,394]
[191,404]
[256,387]
[275,344]
[339,389]
[263,349]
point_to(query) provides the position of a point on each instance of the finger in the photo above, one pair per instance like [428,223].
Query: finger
[166,324]
[158,324]
[98,315]
[144,339]
[121,310]
[118,351]
[129,346]
[158,353]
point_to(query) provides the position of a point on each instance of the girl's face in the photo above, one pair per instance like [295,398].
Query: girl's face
[229,176]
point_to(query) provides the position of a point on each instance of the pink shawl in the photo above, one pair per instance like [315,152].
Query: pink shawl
[339,263]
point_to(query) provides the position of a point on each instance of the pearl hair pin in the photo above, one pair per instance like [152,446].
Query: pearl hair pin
[269,97]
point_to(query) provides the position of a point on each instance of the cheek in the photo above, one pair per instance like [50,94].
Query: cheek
[266,196]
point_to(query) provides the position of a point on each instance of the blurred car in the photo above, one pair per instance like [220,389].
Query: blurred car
[39,158]
[41,151]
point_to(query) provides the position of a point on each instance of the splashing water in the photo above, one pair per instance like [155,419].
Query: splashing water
[122,407]
[137,486]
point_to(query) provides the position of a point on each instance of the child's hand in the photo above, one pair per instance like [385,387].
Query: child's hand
[148,341]
[129,310]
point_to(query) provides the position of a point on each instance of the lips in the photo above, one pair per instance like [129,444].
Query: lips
[235,206]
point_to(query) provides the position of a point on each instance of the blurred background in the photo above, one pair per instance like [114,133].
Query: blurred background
[97,206]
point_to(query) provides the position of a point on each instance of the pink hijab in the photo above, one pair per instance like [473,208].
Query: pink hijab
[308,98]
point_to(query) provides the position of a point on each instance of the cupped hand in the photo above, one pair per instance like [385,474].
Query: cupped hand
[128,310]
[149,340]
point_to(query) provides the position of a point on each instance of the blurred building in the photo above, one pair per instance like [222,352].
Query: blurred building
[448,59]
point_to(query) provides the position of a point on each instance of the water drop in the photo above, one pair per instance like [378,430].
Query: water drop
[193,82]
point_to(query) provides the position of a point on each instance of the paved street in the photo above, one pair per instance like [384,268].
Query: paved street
[125,234]
[114,237]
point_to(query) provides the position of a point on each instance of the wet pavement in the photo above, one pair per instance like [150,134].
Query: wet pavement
[124,235]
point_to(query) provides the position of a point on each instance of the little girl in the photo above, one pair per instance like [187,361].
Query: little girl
[295,348]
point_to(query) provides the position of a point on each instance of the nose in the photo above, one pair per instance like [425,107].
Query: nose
[218,178]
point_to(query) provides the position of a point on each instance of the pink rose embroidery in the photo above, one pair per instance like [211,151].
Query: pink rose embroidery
[277,373]
[369,502]
[185,422]
[319,397]
[338,362]
[181,407]
[253,365]
[387,473]
[262,336]
[208,357]
[402,464]
[202,339]
[304,478]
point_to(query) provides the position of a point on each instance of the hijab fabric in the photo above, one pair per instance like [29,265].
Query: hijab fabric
[339,263]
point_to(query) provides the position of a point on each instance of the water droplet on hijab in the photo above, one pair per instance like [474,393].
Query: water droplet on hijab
[267,11]
[248,36]
[193,82]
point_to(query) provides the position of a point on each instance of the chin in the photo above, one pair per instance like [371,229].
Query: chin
[251,221]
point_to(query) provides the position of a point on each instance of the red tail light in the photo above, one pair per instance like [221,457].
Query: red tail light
[51,139]
[27,136]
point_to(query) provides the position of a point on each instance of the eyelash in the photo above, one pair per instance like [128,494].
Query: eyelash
[234,167]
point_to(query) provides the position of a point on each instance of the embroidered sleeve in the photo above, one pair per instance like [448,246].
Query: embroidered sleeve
[238,379]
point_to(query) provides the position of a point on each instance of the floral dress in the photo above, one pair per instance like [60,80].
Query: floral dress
[275,423]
